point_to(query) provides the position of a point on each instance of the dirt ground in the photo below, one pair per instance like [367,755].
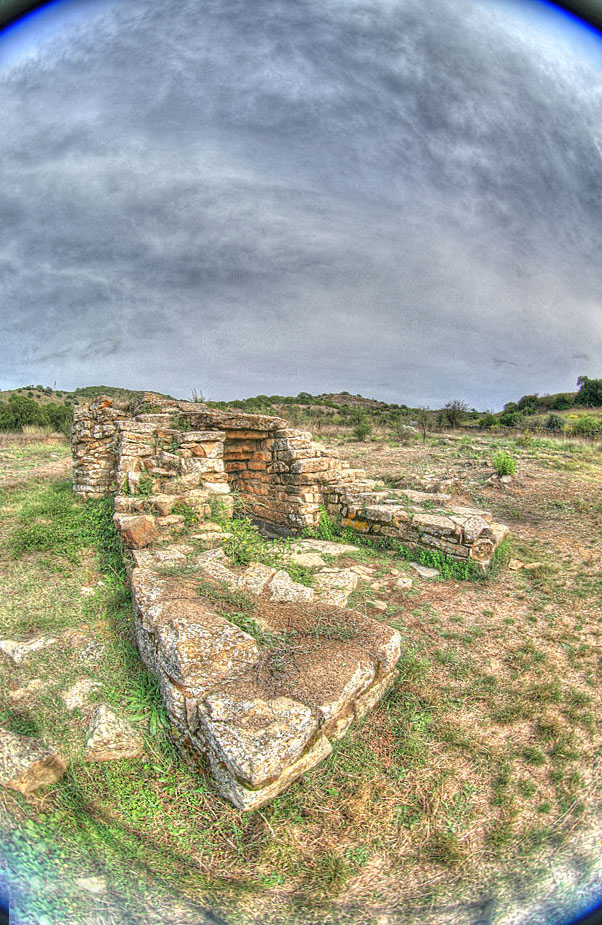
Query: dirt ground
[472,794]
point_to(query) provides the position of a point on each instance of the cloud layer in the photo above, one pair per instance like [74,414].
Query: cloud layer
[324,194]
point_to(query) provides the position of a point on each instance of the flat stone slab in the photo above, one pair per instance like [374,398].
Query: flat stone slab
[327,547]
[27,763]
[261,713]
[424,571]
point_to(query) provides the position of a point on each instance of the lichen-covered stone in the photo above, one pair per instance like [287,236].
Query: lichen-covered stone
[284,590]
[27,764]
[110,737]
[137,530]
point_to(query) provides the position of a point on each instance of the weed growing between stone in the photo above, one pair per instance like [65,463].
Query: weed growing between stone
[246,545]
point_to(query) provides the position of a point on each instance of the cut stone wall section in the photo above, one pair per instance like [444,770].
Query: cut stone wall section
[186,451]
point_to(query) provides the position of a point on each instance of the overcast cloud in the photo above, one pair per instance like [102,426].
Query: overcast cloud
[395,198]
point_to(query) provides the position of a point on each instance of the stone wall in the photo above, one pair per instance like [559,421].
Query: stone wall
[425,520]
[95,440]
[281,477]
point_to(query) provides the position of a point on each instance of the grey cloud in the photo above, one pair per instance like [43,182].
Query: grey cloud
[276,197]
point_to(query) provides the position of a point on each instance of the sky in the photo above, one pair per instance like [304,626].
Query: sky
[394,198]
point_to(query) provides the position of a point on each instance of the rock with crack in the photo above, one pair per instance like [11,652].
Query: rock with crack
[335,585]
[110,737]
[284,590]
[27,764]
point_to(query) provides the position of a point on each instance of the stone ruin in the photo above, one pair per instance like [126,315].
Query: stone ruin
[260,689]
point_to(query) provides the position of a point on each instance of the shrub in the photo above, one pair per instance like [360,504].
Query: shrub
[511,419]
[21,411]
[587,426]
[362,430]
[562,402]
[528,403]
[327,529]
[503,463]
[188,513]
[554,423]
[488,420]
[526,439]
[145,484]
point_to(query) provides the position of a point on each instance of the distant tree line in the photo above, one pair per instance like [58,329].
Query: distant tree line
[21,411]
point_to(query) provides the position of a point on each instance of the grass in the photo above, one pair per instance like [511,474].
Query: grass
[478,767]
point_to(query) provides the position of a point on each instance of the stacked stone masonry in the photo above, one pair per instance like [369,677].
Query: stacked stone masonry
[258,728]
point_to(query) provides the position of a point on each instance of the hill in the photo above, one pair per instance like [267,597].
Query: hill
[44,394]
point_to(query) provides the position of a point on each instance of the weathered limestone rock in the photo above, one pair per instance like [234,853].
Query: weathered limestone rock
[79,693]
[255,578]
[403,583]
[424,571]
[110,737]
[18,651]
[26,763]
[284,590]
[335,585]
[257,739]
[137,530]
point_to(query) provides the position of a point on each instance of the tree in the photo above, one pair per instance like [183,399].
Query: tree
[423,420]
[363,429]
[20,412]
[528,403]
[357,414]
[454,412]
[590,392]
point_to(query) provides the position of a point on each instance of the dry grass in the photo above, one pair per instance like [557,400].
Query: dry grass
[476,779]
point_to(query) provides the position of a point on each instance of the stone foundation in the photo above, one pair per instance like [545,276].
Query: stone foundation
[261,692]
[186,451]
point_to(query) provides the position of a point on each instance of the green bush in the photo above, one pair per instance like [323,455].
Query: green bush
[186,511]
[587,426]
[562,402]
[554,423]
[362,430]
[503,463]
[327,529]
[21,411]
[590,392]
[488,420]
[511,419]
